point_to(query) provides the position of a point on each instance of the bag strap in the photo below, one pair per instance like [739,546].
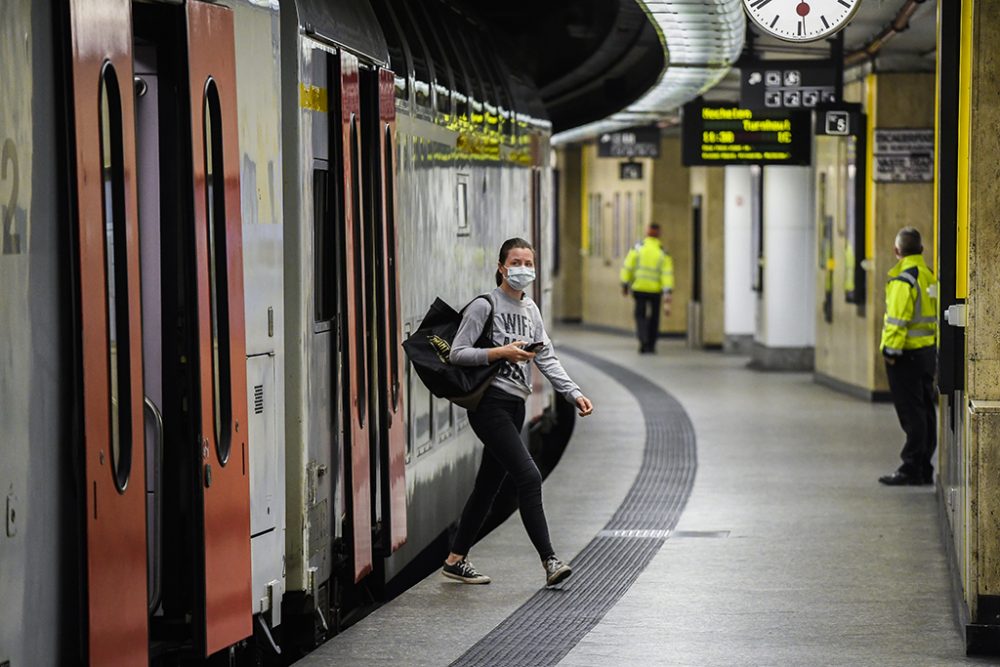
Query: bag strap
[487,331]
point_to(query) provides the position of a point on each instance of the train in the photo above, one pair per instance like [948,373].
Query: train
[219,221]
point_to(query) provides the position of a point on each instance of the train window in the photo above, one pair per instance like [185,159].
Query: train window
[484,58]
[422,66]
[361,372]
[324,247]
[218,282]
[419,406]
[463,204]
[389,179]
[443,80]
[478,90]
[449,26]
[442,418]
[116,271]
[503,98]
[399,51]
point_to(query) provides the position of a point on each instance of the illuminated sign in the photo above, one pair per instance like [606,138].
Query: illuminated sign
[637,142]
[723,135]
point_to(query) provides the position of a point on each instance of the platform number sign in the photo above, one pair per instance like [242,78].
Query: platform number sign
[801,20]
[838,123]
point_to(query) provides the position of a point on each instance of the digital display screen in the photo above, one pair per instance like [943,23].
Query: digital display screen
[716,135]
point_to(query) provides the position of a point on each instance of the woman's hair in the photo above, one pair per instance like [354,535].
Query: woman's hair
[505,249]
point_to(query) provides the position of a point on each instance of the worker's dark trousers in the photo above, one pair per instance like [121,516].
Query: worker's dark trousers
[911,380]
[647,319]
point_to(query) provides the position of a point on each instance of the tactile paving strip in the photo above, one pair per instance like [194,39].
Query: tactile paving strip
[547,627]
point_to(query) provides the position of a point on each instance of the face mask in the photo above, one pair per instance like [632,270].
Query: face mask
[519,277]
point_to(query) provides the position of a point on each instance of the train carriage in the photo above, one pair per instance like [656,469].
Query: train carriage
[221,219]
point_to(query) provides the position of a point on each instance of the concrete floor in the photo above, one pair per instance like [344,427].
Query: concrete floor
[788,553]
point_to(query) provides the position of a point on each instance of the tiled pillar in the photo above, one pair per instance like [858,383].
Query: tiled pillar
[740,299]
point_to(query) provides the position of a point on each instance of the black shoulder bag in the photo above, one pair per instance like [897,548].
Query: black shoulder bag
[429,349]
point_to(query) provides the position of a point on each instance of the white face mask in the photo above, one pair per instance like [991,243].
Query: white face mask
[519,277]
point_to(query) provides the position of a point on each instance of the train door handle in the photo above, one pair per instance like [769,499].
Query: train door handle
[156,590]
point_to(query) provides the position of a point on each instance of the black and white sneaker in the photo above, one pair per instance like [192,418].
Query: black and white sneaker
[556,571]
[465,572]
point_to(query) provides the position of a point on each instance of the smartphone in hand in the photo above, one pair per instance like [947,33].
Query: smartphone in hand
[534,347]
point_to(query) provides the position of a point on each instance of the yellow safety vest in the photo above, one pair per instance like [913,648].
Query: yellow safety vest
[648,268]
[911,307]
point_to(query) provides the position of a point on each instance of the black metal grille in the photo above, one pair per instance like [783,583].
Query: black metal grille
[258,399]
[547,627]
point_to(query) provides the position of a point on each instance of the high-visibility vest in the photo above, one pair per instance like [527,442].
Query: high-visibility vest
[911,307]
[648,268]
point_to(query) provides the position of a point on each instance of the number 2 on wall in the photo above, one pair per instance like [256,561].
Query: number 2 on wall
[8,169]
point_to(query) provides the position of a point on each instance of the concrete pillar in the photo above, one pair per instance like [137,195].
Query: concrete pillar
[740,299]
[786,328]
[567,295]
[979,270]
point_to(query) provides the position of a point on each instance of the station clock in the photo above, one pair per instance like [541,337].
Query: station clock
[801,20]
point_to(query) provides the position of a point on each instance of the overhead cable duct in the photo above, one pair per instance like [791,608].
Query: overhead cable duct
[701,40]
[899,24]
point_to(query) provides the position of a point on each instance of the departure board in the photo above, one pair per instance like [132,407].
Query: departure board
[715,135]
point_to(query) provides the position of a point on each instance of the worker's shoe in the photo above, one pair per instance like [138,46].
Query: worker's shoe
[900,478]
[465,572]
[556,571]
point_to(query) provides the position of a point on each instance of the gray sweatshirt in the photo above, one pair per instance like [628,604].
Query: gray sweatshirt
[513,320]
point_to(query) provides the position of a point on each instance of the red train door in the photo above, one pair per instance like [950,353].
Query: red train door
[356,417]
[110,332]
[395,435]
[224,481]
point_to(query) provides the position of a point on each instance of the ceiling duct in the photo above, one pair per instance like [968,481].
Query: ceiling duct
[701,40]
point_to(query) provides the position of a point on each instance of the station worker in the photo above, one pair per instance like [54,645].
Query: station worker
[909,346]
[649,274]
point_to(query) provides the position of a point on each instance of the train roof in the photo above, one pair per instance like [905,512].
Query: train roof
[348,23]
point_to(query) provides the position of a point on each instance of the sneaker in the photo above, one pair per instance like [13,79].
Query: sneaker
[556,571]
[465,572]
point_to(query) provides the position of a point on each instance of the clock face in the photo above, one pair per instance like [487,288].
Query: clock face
[801,20]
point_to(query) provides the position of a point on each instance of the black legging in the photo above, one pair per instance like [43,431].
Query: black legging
[497,421]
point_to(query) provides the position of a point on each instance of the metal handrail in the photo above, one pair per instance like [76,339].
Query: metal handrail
[156,590]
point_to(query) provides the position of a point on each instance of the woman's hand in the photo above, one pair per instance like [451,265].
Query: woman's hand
[584,405]
[512,352]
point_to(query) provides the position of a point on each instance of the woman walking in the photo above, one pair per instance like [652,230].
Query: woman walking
[499,417]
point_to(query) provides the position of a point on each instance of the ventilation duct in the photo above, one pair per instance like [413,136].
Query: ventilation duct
[701,40]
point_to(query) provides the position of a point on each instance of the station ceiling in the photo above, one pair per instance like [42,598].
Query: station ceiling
[589,58]
[592,58]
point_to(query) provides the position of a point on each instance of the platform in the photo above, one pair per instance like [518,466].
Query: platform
[767,542]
